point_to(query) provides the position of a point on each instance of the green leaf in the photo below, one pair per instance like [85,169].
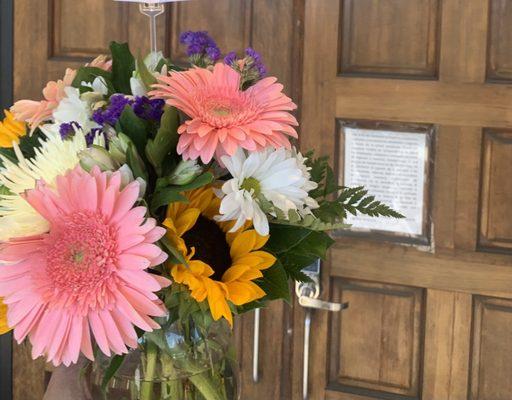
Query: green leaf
[123,66]
[9,154]
[29,143]
[275,283]
[297,248]
[133,127]
[136,163]
[145,74]
[172,194]
[115,364]
[89,74]
[283,238]
[174,252]
[4,190]
[165,140]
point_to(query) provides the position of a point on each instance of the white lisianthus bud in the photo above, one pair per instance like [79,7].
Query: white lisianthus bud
[137,86]
[127,177]
[185,172]
[118,145]
[96,156]
[142,188]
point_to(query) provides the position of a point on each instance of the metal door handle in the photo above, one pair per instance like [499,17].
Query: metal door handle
[318,304]
[256,347]
[308,294]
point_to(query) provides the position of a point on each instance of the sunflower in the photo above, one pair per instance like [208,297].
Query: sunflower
[222,266]
[11,130]
[4,328]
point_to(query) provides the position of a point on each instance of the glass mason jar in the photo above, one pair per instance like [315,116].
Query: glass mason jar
[181,361]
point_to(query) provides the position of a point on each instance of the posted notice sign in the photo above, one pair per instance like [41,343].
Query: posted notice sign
[392,166]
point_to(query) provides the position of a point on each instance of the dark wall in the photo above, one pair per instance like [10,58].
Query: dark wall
[6,82]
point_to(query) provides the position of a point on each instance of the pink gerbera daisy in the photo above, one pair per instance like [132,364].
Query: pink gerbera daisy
[223,117]
[36,112]
[88,273]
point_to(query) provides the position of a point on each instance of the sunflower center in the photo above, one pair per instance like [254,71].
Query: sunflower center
[210,244]
[252,185]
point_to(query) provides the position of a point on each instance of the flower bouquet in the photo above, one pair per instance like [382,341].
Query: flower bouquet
[143,204]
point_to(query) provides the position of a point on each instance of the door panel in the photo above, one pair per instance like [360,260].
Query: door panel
[376,341]
[69,33]
[425,322]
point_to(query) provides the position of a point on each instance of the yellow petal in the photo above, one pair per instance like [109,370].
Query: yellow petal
[267,259]
[241,293]
[235,272]
[260,241]
[217,293]
[187,220]
[243,243]
[201,268]
[4,328]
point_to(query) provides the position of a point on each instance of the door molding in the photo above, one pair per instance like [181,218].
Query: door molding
[6,94]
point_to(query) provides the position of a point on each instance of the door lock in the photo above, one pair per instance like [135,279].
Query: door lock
[308,294]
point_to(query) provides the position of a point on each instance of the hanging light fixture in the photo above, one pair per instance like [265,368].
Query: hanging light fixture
[152,9]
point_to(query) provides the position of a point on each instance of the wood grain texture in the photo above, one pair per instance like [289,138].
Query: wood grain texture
[463,40]
[496,195]
[499,53]
[491,347]
[67,32]
[29,378]
[443,103]
[447,345]
[228,21]
[390,37]
[375,343]
[487,274]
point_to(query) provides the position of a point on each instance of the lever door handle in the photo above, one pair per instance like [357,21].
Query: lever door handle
[310,304]
[317,304]
[256,347]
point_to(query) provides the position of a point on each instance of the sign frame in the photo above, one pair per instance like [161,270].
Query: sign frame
[429,130]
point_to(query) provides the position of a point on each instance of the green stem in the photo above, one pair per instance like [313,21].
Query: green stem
[207,386]
[146,392]
[172,388]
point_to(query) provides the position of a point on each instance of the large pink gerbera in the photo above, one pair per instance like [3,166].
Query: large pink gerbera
[88,273]
[223,117]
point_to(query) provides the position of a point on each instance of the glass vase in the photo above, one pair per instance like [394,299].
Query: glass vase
[181,361]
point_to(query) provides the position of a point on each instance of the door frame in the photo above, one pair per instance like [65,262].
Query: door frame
[6,98]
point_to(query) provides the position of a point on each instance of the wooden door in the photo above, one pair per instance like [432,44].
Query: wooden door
[51,35]
[430,321]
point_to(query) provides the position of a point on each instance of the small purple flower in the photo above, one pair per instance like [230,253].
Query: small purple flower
[148,109]
[200,44]
[68,129]
[89,138]
[230,58]
[110,115]
[256,61]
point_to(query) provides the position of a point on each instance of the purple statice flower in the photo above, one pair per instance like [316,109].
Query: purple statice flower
[89,138]
[199,45]
[147,109]
[256,61]
[68,129]
[110,115]
[230,58]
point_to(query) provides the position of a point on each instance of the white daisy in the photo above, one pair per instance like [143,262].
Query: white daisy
[53,158]
[74,109]
[276,176]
